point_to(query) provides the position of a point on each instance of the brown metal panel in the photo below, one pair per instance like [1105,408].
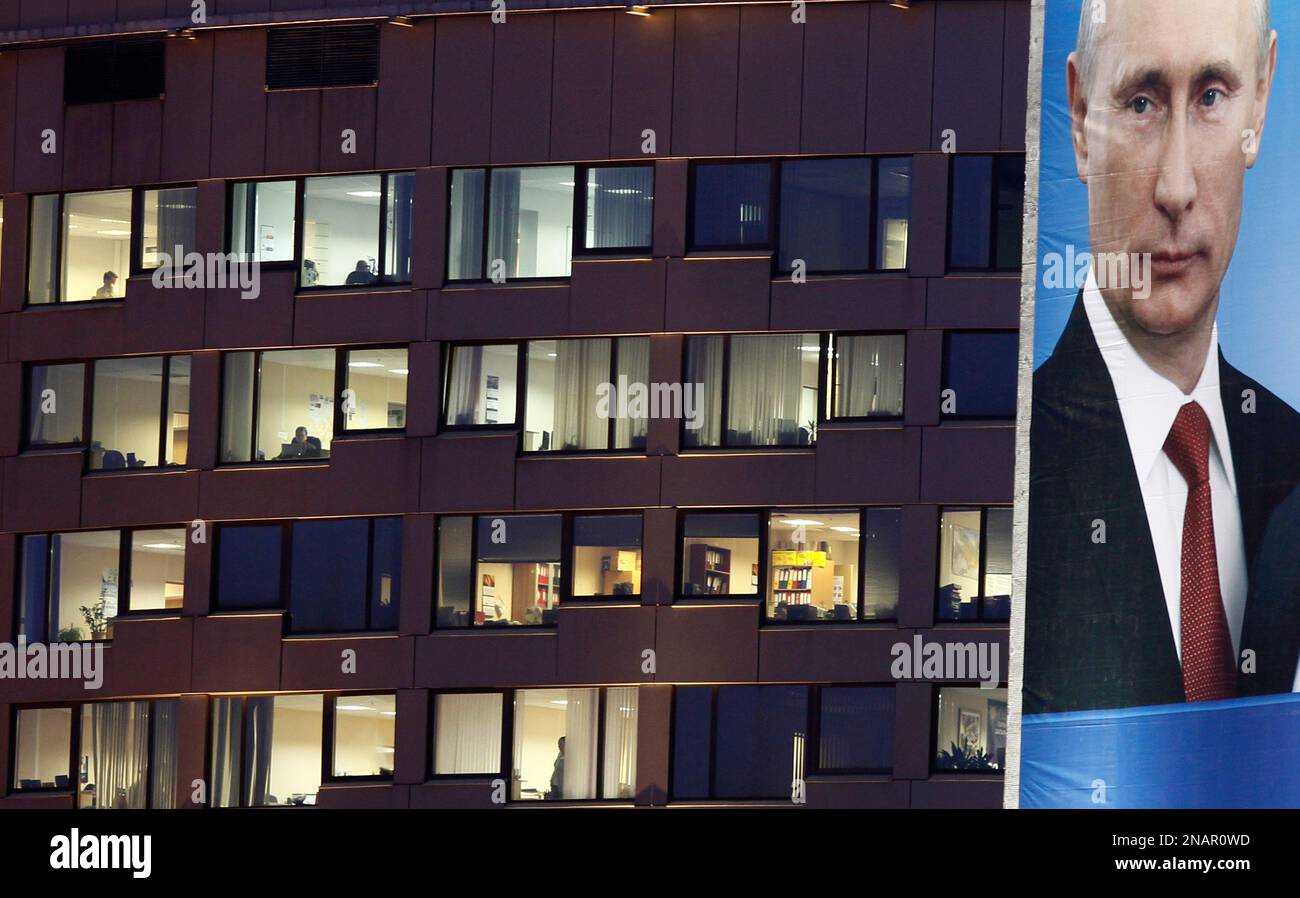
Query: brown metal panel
[790,654]
[928,229]
[638,284]
[455,793]
[382,662]
[237,652]
[604,643]
[924,369]
[643,84]
[137,142]
[42,491]
[835,78]
[413,730]
[450,660]
[446,461]
[767,478]
[858,794]
[1015,74]
[707,643]
[900,62]
[187,109]
[405,95]
[39,108]
[43,13]
[150,656]
[293,128]
[11,408]
[191,748]
[968,464]
[658,555]
[347,109]
[968,63]
[379,475]
[94,12]
[9,565]
[718,294]
[263,320]
[137,10]
[919,532]
[487,313]
[958,792]
[913,743]
[423,389]
[8,123]
[429,243]
[363,796]
[198,569]
[586,482]
[272,491]
[770,81]
[462,90]
[892,476]
[13,253]
[239,108]
[663,434]
[390,316]
[418,535]
[653,744]
[671,188]
[521,88]
[87,130]
[139,499]
[205,404]
[583,85]
[848,303]
[66,332]
[974,302]
[705,81]
[167,320]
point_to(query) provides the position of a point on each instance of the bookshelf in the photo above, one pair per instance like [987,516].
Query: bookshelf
[710,567]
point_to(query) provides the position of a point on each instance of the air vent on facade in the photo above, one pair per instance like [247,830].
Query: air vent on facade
[106,71]
[322,56]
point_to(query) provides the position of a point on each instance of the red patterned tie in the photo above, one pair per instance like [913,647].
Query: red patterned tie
[1209,669]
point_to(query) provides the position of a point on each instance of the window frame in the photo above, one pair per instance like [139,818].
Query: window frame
[507,733]
[162,415]
[992,266]
[292,264]
[59,255]
[75,746]
[124,553]
[999,773]
[983,566]
[87,401]
[724,406]
[812,739]
[581,174]
[765,564]
[330,726]
[356,26]
[826,408]
[138,268]
[773,204]
[568,549]
[286,573]
[945,376]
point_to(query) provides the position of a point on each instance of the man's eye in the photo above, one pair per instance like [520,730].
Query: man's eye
[1139,105]
[1211,97]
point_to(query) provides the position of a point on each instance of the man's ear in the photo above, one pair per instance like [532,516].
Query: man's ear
[1262,90]
[1075,94]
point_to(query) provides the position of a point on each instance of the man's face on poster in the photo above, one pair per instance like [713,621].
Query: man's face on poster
[1165,120]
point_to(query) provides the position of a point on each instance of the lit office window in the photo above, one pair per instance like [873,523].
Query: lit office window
[467,733]
[115,755]
[732,205]
[985,212]
[975,564]
[979,374]
[283,740]
[518,576]
[356,230]
[607,555]
[262,220]
[140,412]
[971,729]
[84,583]
[158,569]
[757,747]
[56,405]
[856,732]
[365,729]
[867,375]
[562,410]
[529,227]
[455,571]
[558,755]
[377,381]
[813,565]
[618,207]
[96,246]
[294,410]
[770,382]
[481,385]
[42,749]
[169,220]
[720,554]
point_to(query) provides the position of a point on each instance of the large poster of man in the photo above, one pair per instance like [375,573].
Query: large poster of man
[1163,565]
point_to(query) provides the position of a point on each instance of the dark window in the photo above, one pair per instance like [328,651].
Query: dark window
[985,213]
[109,71]
[826,214]
[732,205]
[857,729]
[343,575]
[974,581]
[618,205]
[971,729]
[980,375]
[322,56]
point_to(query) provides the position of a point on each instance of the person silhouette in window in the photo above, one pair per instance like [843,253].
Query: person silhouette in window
[361,276]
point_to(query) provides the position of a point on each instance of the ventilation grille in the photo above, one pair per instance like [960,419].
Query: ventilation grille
[322,56]
[107,71]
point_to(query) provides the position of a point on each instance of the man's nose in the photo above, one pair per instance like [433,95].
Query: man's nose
[1176,183]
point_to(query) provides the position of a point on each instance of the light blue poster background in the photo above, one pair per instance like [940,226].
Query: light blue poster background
[1259,310]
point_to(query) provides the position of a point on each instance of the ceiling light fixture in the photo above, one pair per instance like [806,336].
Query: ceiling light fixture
[401,21]
[637,9]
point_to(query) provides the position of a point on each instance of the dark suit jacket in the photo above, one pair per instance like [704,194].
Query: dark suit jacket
[1097,630]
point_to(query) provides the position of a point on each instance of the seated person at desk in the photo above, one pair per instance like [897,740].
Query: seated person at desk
[361,275]
[106,291]
[303,446]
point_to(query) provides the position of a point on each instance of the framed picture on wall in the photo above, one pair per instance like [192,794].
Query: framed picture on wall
[965,552]
[970,729]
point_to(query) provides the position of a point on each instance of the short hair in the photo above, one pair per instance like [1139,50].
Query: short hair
[1085,46]
[109,274]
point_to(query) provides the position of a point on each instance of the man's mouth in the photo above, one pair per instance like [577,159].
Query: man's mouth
[1168,263]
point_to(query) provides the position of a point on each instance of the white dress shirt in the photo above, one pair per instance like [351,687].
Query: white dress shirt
[1149,403]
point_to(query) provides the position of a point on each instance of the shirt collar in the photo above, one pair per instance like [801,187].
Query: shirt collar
[1148,402]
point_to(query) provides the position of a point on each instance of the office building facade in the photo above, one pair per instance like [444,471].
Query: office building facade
[427,405]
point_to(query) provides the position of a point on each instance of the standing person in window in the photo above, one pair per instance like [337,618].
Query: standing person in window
[361,275]
[106,291]
[557,775]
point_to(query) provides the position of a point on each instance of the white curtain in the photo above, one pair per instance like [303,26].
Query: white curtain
[580,367]
[117,762]
[468,733]
[704,373]
[466,385]
[634,365]
[225,752]
[619,779]
[165,714]
[869,375]
[580,733]
[764,389]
